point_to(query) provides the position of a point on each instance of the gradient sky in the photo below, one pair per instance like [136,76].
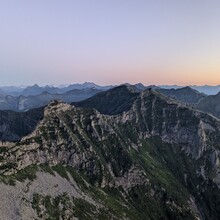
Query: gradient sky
[109,41]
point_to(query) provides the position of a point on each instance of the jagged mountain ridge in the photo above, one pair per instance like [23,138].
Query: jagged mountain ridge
[86,90]
[52,89]
[141,153]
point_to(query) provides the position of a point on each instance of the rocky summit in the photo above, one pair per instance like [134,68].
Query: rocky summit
[151,157]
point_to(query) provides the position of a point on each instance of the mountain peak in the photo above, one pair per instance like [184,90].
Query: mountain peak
[184,94]
[57,106]
[113,101]
[139,86]
[188,89]
[35,86]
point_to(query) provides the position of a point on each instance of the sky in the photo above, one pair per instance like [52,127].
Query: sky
[110,42]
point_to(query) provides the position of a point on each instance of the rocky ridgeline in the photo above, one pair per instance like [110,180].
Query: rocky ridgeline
[160,146]
[67,128]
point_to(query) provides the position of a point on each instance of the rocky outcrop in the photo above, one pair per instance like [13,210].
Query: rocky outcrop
[158,152]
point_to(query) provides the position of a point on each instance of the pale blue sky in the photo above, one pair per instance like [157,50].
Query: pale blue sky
[109,42]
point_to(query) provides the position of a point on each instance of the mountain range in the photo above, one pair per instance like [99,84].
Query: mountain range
[24,103]
[54,89]
[206,89]
[22,99]
[185,94]
[121,154]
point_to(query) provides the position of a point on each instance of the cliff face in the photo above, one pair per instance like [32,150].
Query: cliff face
[157,160]
[155,115]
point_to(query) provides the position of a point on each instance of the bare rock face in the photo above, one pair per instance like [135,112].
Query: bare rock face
[159,152]
[16,200]
[155,115]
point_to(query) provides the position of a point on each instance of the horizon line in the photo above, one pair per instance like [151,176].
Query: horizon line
[103,85]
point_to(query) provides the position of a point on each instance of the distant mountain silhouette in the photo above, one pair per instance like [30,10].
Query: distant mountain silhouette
[185,94]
